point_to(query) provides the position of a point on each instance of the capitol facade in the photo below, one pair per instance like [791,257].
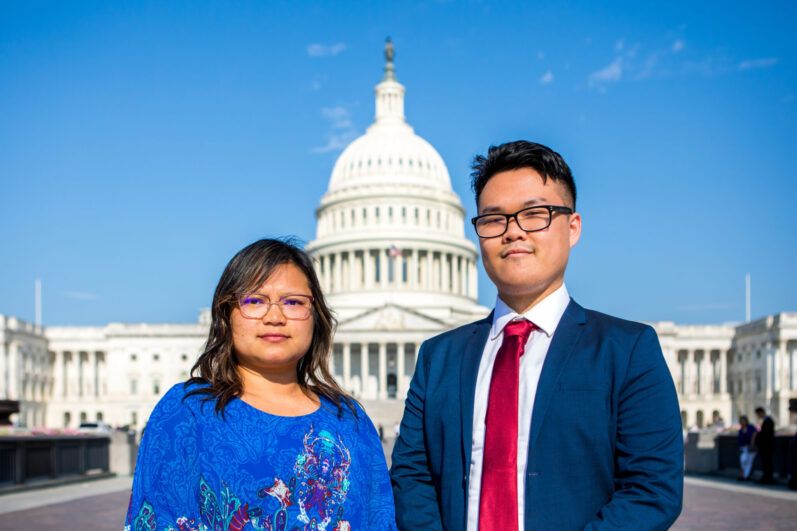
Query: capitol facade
[394,261]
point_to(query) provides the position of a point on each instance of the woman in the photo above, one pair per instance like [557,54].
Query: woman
[261,436]
[746,449]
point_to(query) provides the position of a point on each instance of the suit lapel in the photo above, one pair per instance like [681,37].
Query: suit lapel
[563,343]
[472,355]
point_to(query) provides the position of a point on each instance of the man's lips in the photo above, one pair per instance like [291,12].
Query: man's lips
[516,251]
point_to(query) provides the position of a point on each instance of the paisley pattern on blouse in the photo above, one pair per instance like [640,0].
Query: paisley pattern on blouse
[198,471]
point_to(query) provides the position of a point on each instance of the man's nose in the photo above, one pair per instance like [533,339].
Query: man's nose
[513,230]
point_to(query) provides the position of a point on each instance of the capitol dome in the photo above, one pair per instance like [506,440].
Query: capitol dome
[390,229]
[387,153]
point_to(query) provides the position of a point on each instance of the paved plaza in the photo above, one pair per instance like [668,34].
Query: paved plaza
[709,504]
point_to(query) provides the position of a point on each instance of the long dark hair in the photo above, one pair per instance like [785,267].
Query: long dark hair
[216,369]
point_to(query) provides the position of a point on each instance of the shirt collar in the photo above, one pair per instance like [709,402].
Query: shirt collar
[545,314]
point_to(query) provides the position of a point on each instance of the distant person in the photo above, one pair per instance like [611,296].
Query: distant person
[747,452]
[543,415]
[765,444]
[262,434]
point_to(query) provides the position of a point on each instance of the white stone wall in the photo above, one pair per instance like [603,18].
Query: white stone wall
[698,357]
[117,373]
[764,370]
[25,370]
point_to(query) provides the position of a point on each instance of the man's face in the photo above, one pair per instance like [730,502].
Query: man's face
[527,266]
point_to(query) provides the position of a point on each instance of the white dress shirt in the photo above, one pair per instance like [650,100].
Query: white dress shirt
[545,315]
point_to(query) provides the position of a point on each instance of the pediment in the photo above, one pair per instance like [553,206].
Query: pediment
[392,317]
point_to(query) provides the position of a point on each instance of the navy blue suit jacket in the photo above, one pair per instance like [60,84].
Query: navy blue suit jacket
[605,447]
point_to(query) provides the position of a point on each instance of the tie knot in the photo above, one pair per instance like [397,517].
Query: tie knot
[521,327]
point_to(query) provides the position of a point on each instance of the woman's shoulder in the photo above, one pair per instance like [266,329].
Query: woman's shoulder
[180,397]
[349,412]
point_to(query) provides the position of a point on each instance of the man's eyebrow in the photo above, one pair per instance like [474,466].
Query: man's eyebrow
[531,202]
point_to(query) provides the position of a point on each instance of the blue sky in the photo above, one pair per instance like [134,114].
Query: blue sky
[143,143]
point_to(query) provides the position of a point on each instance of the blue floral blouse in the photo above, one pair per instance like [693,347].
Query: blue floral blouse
[197,470]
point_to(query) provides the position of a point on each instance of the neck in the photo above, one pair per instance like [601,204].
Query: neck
[276,391]
[523,302]
[274,382]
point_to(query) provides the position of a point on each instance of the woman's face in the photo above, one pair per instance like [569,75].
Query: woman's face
[273,342]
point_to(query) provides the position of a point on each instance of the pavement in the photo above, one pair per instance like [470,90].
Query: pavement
[709,504]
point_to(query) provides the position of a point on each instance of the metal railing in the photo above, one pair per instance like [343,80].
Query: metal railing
[37,459]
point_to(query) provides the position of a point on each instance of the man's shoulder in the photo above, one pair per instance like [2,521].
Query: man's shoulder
[457,334]
[617,325]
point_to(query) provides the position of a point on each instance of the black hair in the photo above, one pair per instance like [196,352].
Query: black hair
[761,410]
[522,154]
[215,370]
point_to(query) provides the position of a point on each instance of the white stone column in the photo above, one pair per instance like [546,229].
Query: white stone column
[398,272]
[4,372]
[13,371]
[474,276]
[688,376]
[352,276]
[58,376]
[347,366]
[441,271]
[463,278]
[400,355]
[382,371]
[414,284]
[723,373]
[427,274]
[338,282]
[456,274]
[369,268]
[365,371]
[780,374]
[383,271]
[322,273]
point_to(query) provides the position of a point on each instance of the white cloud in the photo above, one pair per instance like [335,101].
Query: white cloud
[546,78]
[339,116]
[540,55]
[80,295]
[754,64]
[342,130]
[619,45]
[678,45]
[325,50]
[611,73]
[336,142]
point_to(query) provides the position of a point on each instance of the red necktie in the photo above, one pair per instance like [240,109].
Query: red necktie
[498,500]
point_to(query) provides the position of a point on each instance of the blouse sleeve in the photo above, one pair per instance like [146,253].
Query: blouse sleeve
[381,509]
[166,480]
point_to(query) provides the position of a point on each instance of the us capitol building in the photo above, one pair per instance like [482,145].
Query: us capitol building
[393,258]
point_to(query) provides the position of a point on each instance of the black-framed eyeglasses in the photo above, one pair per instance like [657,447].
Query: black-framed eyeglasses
[531,219]
[256,306]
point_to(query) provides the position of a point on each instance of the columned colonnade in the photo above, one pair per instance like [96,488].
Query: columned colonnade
[412,269]
[78,376]
[374,370]
[702,374]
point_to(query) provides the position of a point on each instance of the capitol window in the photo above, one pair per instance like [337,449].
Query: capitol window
[133,387]
[184,357]
[156,357]
[133,357]
[156,387]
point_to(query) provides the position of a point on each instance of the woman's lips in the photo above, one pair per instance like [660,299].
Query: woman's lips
[273,338]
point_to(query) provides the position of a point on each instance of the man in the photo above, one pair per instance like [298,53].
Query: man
[765,442]
[544,415]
